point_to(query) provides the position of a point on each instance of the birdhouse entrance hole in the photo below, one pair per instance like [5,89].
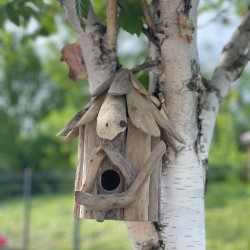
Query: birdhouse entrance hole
[110,180]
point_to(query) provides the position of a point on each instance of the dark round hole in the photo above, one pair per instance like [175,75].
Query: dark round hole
[110,180]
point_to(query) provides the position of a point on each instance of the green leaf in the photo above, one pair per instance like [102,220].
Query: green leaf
[82,8]
[130,16]
[12,13]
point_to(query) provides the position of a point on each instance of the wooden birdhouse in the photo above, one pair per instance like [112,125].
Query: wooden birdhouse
[120,148]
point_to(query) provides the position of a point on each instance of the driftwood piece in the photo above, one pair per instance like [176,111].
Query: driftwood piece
[164,123]
[112,119]
[95,160]
[71,124]
[137,85]
[72,135]
[121,84]
[93,111]
[109,201]
[140,114]
[118,160]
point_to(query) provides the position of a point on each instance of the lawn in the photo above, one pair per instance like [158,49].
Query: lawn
[227,221]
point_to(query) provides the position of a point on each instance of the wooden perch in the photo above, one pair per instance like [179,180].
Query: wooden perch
[106,202]
[121,83]
[93,111]
[96,158]
[112,118]
[118,160]
[140,114]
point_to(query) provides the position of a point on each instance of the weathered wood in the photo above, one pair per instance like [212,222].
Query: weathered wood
[137,150]
[71,124]
[106,202]
[118,160]
[155,187]
[164,123]
[95,160]
[140,114]
[72,135]
[121,84]
[79,170]
[137,85]
[112,119]
[93,110]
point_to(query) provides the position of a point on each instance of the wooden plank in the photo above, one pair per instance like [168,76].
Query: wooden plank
[138,148]
[155,187]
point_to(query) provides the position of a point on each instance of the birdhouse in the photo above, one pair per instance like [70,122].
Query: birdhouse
[120,148]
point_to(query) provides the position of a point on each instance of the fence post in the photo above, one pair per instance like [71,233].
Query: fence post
[27,182]
[76,237]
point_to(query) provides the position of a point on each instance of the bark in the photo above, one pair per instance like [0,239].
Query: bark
[191,106]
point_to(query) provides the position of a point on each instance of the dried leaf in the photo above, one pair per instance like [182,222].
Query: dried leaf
[112,119]
[72,55]
[140,114]
[121,84]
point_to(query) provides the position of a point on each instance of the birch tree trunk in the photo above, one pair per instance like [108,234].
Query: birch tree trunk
[192,107]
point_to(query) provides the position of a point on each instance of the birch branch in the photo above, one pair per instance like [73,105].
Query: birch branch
[234,58]
[112,29]
[147,15]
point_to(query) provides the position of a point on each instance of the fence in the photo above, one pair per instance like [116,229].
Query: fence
[16,185]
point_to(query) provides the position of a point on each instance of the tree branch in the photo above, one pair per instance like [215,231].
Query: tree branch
[112,30]
[147,15]
[145,65]
[234,58]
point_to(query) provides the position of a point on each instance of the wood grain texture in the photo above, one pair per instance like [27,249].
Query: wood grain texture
[93,110]
[112,119]
[121,84]
[137,150]
[140,114]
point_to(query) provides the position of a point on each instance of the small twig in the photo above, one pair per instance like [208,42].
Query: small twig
[147,15]
[112,30]
[151,37]
[145,65]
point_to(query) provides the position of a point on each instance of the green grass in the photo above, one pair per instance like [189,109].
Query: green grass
[52,226]
[227,222]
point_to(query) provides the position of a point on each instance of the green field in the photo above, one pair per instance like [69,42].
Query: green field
[227,221]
